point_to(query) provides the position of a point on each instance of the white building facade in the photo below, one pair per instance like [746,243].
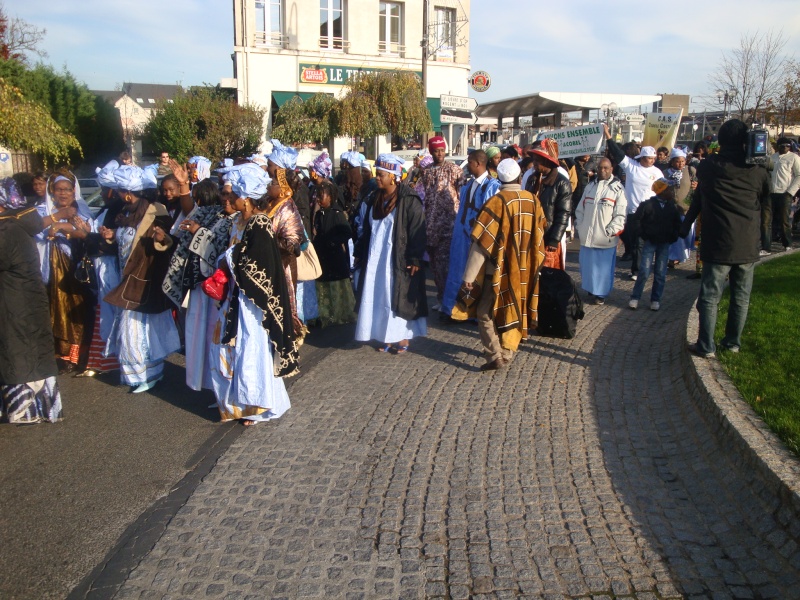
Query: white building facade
[284,48]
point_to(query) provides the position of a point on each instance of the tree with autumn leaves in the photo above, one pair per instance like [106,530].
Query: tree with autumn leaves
[378,103]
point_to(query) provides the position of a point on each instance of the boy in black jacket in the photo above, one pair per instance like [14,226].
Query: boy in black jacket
[659,223]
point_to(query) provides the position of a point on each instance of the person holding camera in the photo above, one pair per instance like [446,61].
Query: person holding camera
[729,196]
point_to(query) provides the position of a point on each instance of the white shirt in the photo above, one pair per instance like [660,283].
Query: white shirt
[638,182]
[785,173]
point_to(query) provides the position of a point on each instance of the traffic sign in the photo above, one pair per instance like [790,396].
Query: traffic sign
[458,103]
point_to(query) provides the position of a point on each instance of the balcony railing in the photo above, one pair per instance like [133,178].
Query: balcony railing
[391,48]
[334,43]
[270,40]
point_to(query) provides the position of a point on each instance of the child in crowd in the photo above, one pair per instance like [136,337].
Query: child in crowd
[659,223]
[331,232]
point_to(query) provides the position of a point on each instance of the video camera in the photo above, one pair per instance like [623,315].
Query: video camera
[757,143]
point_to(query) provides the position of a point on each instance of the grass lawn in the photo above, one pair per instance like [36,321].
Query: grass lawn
[767,370]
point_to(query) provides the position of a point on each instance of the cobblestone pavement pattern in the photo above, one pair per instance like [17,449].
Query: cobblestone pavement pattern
[583,471]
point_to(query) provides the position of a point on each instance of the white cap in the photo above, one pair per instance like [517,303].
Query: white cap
[646,152]
[508,170]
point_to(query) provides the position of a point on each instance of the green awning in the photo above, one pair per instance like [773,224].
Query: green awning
[281,98]
[435,108]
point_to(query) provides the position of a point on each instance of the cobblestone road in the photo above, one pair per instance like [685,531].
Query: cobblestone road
[583,471]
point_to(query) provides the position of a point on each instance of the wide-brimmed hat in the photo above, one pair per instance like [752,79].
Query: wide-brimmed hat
[548,150]
[646,152]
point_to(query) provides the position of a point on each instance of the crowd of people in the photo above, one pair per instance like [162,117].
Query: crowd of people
[234,261]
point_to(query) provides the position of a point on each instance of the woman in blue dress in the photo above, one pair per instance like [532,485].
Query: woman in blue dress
[254,344]
[144,331]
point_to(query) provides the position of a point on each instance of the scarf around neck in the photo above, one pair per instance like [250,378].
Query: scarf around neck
[384,204]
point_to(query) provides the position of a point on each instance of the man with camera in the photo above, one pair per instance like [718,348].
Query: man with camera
[729,197]
[785,167]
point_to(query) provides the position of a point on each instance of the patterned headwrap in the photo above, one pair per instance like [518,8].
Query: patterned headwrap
[352,158]
[548,150]
[283,156]
[322,165]
[105,176]
[286,189]
[492,151]
[248,181]
[390,163]
[436,142]
[203,166]
[134,179]
[9,194]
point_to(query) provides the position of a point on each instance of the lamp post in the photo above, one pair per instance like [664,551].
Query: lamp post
[611,111]
[725,97]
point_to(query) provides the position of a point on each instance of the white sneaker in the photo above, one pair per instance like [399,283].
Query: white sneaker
[634,277]
[787,248]
[655,305]
[764,253]
[633,304]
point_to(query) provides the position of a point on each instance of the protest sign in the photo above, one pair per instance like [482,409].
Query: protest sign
[576,141]
[661,129]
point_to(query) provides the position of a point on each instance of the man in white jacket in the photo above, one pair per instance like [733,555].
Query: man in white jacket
[599,219]
[785,167]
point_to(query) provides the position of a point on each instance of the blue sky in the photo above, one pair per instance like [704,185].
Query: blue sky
[624,46]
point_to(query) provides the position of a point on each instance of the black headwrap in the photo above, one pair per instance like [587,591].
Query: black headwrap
[258,273]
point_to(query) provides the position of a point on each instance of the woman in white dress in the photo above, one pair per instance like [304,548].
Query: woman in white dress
[392,302]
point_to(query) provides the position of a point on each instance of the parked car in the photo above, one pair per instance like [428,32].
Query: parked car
[95,202]
[88,187]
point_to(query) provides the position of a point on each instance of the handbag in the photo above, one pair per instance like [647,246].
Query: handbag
[86,274]
[553,260]
[216,286]
[308,267]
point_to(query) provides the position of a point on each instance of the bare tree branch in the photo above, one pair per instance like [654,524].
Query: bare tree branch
[754,72]
[18,37]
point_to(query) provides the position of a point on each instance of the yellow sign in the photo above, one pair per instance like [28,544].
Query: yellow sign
[661,129]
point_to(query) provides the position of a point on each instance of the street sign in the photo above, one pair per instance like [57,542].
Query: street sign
[458,109]
[459,103]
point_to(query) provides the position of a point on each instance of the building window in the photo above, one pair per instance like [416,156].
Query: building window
[269,22]
[391,28]
[444,36]
[331,24]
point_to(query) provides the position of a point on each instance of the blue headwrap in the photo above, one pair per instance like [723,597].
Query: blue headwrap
[9,194]
[390,163]
[248,181]
[203,167]
[352,158]
[105,176]
[134,179]
[283,156]
[258,159]
[322,165]
[151,172]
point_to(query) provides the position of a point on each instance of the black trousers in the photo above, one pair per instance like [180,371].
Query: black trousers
[633,243]
[780,206]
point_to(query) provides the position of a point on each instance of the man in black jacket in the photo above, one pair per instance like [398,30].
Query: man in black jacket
[728,197]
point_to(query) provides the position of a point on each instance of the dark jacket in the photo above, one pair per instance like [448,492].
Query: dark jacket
[332,231]
[658,223]
[408,247]
[147,266]
[728,197]
[555,194]
[26,337]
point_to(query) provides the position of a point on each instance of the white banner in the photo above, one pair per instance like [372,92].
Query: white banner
[576,141]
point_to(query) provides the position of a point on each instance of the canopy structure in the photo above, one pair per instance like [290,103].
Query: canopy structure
[541,104]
